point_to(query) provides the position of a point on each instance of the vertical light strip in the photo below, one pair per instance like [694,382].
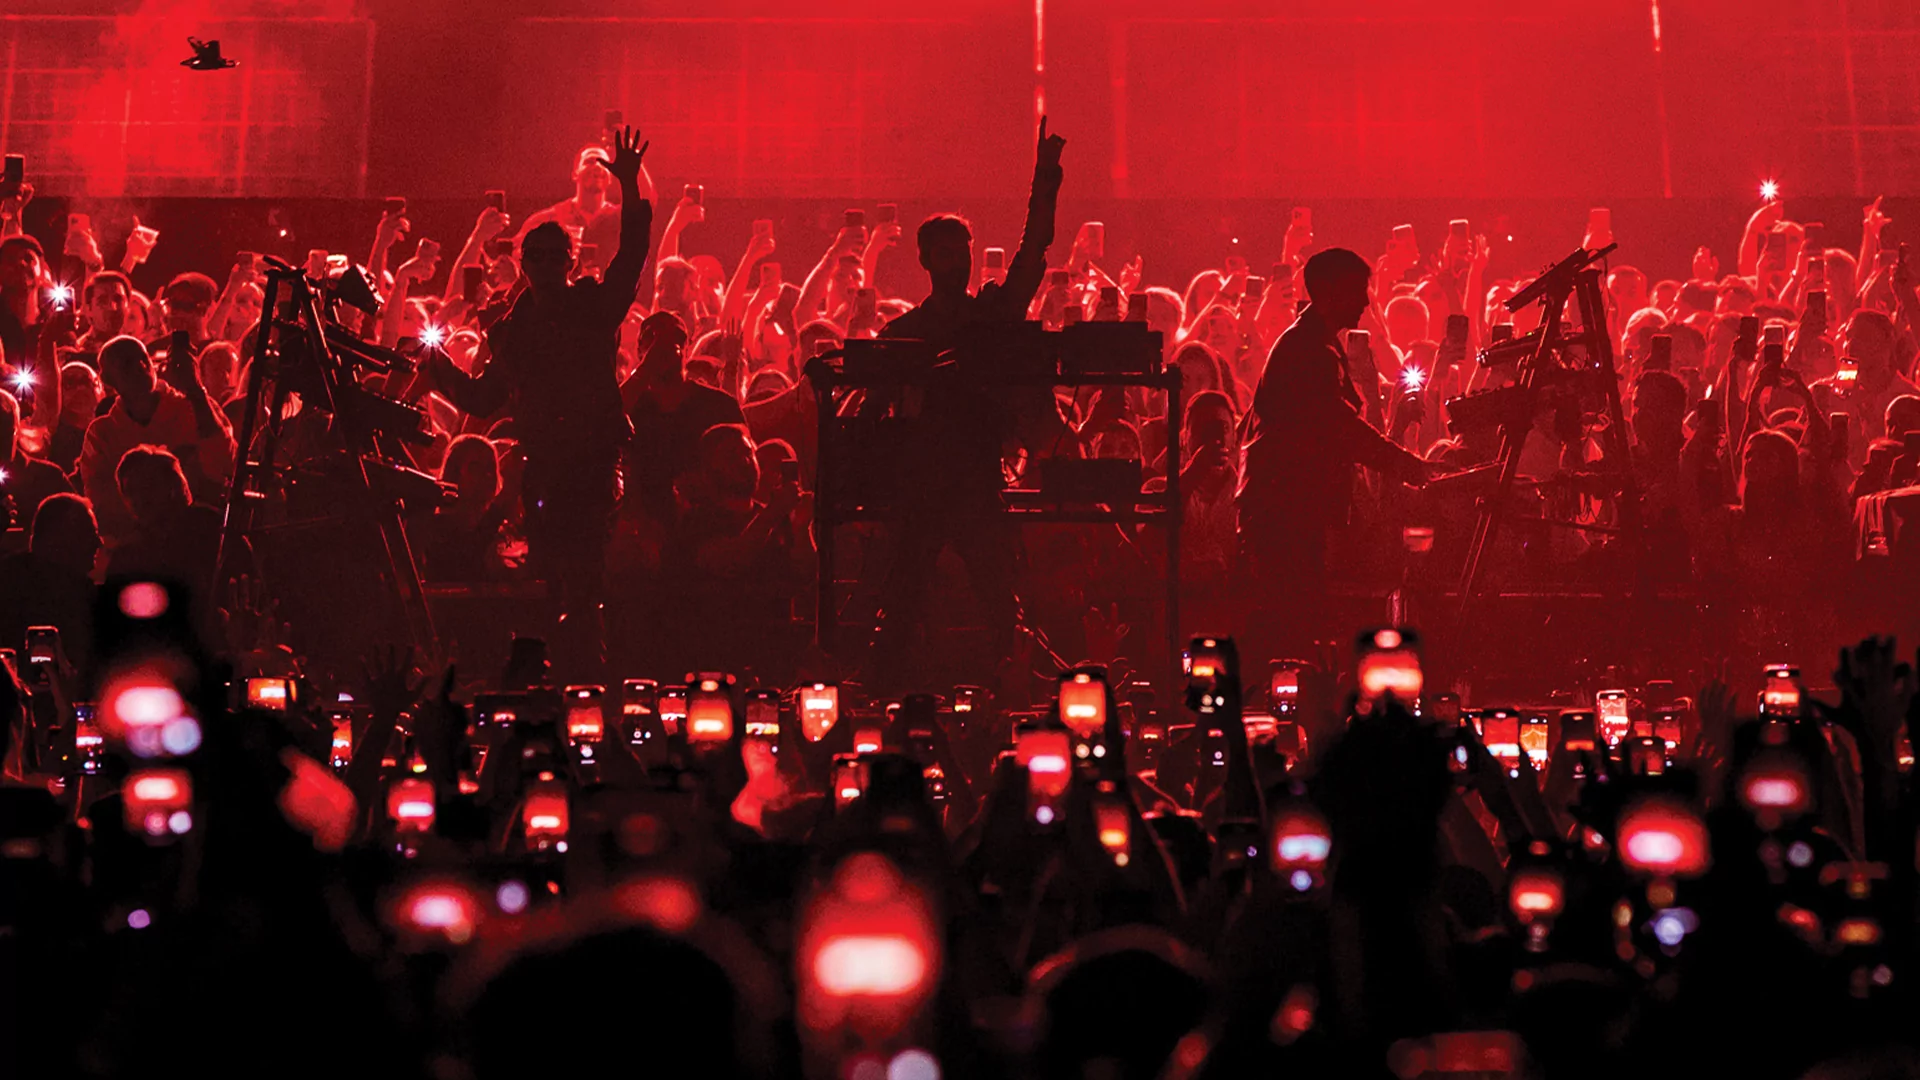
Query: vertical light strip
[1117,76]
[1660,103]
[1039,61]
[1853,102]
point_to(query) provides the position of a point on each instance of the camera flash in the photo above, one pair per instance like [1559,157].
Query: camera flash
[1769,190]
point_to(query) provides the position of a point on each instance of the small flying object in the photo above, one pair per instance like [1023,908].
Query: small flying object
[206,56]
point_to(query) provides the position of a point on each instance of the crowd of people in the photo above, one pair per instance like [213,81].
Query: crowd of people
[1306,869]
[757,858]
[657,446]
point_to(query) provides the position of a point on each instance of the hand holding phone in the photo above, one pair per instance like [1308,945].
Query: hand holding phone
[43,644]
[180,371]
[1360,350]
[1599,228]
[1093,240]
[141,241]
[1660,355]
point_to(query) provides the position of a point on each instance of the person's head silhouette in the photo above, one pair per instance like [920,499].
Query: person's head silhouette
[590,176]
[546,254]
[946,250]
[1337,284]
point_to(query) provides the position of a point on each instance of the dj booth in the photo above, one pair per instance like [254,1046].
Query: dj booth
[892,411]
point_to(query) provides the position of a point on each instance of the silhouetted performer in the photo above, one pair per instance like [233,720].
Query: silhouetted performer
[553,358]
[955,500]
[1307,433]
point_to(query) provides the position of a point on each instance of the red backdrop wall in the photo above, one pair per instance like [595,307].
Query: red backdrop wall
[1206,98]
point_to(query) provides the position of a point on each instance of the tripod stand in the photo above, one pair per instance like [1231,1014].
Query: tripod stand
[1558,352]
[294,349]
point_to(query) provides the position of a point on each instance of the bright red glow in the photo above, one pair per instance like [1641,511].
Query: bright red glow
[1775,792]
[709,717]
[1301,839]
[1661,837]
[869,964]
[585,723]
[1802,920]
[1397,672]
[546,813]
[143,600]
[866,741]
[1611,709]
[1776,786]
[410,803]
[1857,932]
[165,787]
[316,802]
[1535,893]
[869,950]
[267,692]
[144,703]
[1533,740]
[819,710]
[446,910]
[849,780]
[1083,705]
[667,903]
[1294,1017]
[1203,660]
[867,878]
[1656,847]
[1781,692]
[1114,826]
[1304,847]
[437,911]
[156,802]
[1044,754]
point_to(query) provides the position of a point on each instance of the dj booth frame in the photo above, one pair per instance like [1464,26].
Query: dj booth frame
[1049,360]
